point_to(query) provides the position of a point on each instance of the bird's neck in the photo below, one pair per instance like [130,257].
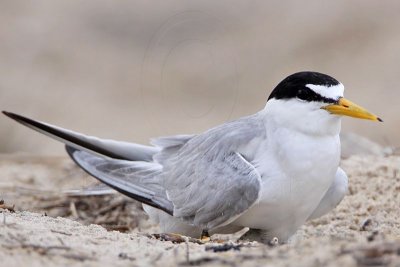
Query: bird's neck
[314,123]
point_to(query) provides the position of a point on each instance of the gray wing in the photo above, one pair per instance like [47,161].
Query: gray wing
[105,147]
[202,179]
[135,179]
[208,181]
[169,146]
[229,187]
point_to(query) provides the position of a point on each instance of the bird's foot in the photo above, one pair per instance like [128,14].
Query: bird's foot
[205,236]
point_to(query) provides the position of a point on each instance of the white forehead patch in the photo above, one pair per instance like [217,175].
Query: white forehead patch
[332,92]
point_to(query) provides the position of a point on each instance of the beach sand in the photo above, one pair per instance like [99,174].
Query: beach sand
[363,230]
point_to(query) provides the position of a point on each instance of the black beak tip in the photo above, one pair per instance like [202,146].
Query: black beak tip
[379,119]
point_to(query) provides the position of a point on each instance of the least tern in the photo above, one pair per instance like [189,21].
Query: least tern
[270,172]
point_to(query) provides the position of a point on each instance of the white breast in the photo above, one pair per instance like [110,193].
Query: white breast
[296,170]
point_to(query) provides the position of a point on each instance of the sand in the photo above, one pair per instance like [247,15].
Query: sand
[363,230]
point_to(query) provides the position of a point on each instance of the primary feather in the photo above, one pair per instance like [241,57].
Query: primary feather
[173,175]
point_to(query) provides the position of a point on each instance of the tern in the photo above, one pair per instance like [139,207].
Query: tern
[271,171]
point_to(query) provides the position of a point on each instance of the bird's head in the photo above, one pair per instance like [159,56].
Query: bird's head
[313,103]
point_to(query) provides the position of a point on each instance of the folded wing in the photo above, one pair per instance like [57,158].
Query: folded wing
[208,181]
[104,147]
[135,179]
[202,179]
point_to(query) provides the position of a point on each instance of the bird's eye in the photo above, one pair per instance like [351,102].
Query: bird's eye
[302,94]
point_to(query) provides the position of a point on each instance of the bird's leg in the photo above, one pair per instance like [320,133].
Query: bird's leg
[205,236]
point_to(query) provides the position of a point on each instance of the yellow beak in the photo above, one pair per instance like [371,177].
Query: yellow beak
[345,107]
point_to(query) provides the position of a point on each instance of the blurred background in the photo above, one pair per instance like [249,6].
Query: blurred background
[132,70]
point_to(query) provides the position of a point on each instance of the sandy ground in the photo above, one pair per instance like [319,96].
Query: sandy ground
[363,230]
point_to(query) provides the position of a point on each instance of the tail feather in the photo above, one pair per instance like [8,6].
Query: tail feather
[126,167]
[109,148]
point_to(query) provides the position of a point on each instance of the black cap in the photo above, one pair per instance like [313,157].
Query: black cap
[294,86]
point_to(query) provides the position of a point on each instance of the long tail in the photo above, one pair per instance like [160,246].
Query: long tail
[125,167]
[104,147]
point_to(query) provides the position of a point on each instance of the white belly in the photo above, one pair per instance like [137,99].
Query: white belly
[295,178]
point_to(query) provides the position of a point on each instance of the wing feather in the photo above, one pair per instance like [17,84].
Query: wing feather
[105,147]
[134,179]
[203,179]
[208,181]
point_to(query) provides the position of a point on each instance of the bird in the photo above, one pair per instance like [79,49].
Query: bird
[270,172]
